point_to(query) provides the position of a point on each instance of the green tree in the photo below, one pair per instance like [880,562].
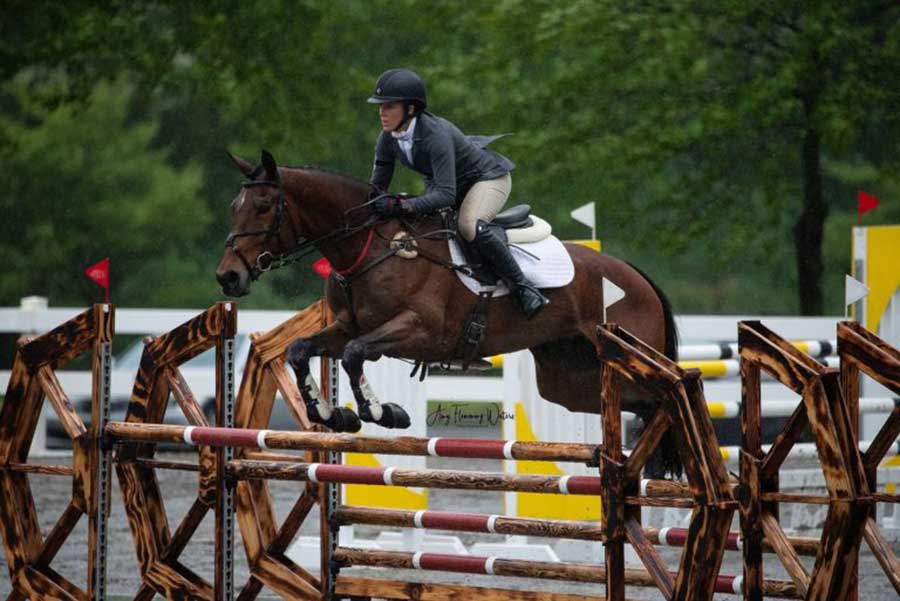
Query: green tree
[83,184]
[700,122]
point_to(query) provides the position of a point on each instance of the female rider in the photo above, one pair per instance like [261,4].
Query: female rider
[458,170]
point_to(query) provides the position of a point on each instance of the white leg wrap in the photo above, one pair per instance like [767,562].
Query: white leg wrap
[369,395]
[322,406]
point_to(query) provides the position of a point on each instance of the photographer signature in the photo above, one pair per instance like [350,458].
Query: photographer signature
[464,415]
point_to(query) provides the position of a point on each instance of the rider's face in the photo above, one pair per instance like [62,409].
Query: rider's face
[391,114]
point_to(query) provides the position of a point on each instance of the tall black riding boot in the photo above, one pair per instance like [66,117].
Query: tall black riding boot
[491,242]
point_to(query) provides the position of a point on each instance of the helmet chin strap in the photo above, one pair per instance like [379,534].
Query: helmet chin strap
[406,115]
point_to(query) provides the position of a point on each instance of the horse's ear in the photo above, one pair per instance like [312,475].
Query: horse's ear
[244,167]
[268,162]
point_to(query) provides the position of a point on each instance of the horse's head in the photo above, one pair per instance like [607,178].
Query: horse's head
[261,227]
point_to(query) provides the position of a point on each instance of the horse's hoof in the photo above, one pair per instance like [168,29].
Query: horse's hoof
[393,416]
[312,412]
[344,420]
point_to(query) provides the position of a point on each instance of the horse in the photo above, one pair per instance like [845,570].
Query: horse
[417,309]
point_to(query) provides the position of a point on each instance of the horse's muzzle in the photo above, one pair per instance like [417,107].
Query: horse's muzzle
[233,283]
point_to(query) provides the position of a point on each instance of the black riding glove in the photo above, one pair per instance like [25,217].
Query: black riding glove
[392,206]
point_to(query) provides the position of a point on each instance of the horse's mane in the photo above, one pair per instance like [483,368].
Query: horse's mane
[347,178]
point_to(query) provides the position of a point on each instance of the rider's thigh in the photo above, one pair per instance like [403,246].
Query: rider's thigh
[483,201]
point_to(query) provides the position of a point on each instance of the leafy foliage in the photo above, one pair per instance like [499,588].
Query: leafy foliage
[686,121]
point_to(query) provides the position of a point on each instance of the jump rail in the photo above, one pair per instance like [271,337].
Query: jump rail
[235,463]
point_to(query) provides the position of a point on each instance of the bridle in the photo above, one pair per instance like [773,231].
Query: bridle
[267,260]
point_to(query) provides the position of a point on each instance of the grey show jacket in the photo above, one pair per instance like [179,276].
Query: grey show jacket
[450,161]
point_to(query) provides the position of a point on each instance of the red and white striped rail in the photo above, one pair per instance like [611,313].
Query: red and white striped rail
[400,445]
[249,469]
[497,566]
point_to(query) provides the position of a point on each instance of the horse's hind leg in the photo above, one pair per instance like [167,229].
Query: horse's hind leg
[319,409]
[398,337]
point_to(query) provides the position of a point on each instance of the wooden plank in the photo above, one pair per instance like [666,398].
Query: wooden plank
[702,556]
[19,413]
[776,356]
[612,483]
[841,535]
[185,531]
[282,580]
[63,527]
[751,481]
[870,353]
[18,522]
[471,522]
[831,456]
[883,441]
[292,523]
[786,553]
[630,363]
[783,443]
[287,385]
[252,536]
[700,449]
[883,552]
[176,582]
[421,591]
[47,584]
[144,531]
[63,343]
[44,470]
[650,557]
[645,445]
[256,396]
[194,336]
[184,397]
[274,342]
[251,589]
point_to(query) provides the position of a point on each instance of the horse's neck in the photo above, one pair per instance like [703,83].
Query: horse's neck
[323,204]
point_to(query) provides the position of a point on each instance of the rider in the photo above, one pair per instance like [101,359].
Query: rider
[458,170]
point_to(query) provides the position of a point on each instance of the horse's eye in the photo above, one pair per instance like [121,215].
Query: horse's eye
[263,204]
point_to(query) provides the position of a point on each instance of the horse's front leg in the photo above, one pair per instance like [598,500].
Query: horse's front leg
[332,340]
[402,336]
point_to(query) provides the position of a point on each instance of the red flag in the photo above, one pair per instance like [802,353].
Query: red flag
[99,272]
[322,267]
[864,203]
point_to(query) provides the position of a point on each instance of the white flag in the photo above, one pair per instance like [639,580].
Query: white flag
[611,293]
[585,214]
[854,290]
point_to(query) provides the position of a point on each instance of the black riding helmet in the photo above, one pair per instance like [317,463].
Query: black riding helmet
[400,85]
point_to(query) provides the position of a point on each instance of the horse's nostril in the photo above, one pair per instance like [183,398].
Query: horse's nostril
[228,278]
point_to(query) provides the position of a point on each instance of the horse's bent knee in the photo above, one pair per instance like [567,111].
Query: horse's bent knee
[354,354]
[299,352]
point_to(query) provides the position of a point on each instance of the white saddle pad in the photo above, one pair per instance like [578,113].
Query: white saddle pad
[553,267]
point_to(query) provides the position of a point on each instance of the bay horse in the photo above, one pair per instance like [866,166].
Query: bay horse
[416,309]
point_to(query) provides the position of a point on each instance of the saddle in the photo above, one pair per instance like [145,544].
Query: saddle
[518,225]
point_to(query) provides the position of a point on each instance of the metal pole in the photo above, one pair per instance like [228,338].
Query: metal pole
[103,472]
[224,578]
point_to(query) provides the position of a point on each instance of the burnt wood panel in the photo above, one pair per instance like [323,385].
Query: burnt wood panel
[63,343]
[19,413]
[702,556]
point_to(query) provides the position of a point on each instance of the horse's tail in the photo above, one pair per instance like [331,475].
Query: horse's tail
[665,460]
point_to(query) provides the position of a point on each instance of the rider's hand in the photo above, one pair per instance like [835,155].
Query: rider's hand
[391,206]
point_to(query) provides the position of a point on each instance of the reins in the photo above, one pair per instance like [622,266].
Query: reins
[267,261]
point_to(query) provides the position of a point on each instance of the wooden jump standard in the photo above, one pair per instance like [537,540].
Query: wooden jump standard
[228,457]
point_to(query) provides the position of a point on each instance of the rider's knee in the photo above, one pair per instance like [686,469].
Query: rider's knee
[468,227]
